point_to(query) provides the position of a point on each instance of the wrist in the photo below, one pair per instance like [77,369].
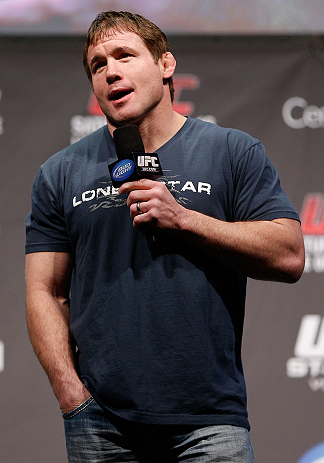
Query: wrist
[186,220]
[70,394]
[63,386]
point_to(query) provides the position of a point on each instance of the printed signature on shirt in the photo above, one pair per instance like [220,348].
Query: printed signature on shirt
[108,203]
[119,202]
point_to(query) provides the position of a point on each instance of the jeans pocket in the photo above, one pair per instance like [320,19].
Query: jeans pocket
[78,409]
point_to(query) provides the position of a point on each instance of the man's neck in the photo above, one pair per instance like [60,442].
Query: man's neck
[156,135]
[156,132]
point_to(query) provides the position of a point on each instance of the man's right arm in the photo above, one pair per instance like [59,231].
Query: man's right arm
[48,276]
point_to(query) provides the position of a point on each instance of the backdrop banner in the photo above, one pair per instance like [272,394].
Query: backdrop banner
[270,87]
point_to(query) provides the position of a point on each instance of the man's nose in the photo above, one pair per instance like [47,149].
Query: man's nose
[113,72]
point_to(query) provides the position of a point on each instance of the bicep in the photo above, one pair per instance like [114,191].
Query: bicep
[287,247]
[292,232]
[49,272]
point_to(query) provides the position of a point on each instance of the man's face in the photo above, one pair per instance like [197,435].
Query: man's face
[126,81]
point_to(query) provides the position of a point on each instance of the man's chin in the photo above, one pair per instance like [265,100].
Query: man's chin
[115,123]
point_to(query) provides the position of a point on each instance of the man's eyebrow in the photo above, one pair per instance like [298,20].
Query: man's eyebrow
[119,49]
[94,59]
[123,48]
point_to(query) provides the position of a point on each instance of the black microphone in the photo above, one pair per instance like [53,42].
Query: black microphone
[133,163]
[128,140]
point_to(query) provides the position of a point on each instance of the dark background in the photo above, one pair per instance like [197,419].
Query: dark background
[241,82]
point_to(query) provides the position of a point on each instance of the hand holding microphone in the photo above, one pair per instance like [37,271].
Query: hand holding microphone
[150,203]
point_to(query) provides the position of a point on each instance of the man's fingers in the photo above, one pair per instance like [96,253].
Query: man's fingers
[142,184]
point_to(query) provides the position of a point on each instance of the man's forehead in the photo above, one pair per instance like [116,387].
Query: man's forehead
[113,33]
[123,39]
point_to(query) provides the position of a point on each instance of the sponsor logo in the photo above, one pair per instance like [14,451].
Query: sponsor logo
[80,126]
[123,169]
[184,82]
[298,114]
[147,161]
[314,455]
[312,219]
[308,361]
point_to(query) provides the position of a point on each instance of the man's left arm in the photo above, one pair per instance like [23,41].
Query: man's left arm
[265,250]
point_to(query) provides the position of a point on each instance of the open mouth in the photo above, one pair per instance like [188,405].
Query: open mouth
[119,95]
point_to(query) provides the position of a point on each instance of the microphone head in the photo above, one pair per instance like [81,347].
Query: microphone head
[128,140]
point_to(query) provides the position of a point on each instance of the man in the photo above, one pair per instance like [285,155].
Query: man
[142,345]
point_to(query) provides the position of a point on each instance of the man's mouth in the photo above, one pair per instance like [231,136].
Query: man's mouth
[119,94]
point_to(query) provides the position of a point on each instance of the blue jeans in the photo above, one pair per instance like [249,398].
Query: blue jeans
[93,437]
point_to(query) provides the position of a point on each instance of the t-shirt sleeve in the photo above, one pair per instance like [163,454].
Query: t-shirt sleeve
[45,224]
[257,191]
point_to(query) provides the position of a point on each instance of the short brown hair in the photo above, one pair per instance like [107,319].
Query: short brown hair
[154,39]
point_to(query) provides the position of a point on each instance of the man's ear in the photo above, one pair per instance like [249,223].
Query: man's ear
[169,64]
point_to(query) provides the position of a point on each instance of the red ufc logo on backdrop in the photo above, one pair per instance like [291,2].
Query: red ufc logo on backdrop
[312,214]
[184,82]
[180,82]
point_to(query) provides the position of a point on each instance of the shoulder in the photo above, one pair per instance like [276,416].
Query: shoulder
[83,149]
[234,141]
[85,145]
[214,130]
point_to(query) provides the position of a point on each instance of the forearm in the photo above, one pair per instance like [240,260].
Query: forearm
[270,250]
[267,250]
[48,326]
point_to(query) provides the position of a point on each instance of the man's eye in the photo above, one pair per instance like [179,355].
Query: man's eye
[97,66]
[124,55]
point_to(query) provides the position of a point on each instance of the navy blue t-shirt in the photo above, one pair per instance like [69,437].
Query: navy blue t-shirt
[158,329]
